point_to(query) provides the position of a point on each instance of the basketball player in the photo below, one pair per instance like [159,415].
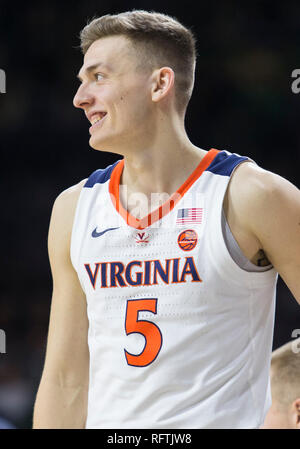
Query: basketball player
[165,263]
[284,412]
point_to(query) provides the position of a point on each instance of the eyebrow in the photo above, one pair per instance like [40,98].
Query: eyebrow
[92,67]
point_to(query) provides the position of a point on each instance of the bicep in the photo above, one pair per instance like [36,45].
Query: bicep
[276,223]
[67,349]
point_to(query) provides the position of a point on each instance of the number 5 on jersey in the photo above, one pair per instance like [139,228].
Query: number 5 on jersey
[151,332]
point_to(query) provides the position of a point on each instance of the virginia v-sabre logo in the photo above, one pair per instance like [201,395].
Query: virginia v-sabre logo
[2,82]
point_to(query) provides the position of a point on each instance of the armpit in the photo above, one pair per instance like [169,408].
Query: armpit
[260,259]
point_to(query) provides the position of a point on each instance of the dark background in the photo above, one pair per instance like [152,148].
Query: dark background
[242,102]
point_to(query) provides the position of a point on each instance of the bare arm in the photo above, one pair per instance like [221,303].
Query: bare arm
[269,207]
[61,400]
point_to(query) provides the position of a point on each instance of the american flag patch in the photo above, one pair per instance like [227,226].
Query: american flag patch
[191,215]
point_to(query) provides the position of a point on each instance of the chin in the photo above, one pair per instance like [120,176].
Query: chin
[98,144]
[103,145]
[100,149]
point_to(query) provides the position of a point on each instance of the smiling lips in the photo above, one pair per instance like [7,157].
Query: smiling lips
[97,117]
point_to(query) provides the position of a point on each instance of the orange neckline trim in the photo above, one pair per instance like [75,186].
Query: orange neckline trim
[166,207]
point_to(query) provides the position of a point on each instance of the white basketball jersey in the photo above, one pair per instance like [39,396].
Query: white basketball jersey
[179,335]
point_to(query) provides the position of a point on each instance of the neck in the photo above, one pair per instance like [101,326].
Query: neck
[163,164]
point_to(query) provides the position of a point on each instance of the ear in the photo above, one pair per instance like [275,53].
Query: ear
[163,82]
[296,413]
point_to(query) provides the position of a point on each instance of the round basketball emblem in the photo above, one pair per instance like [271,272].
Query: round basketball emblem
[187,240]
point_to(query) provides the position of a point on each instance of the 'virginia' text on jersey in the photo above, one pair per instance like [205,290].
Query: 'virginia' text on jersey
[121,275]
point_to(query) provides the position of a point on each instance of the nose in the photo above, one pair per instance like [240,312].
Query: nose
[82,97]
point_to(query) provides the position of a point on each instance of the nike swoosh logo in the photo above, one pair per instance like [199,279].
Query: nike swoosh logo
[97,234]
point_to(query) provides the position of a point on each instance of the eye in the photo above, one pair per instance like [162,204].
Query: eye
[98,76]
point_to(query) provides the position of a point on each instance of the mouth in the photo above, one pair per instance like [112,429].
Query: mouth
[97,120]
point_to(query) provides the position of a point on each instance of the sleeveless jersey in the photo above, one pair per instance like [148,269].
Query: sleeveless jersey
[179,335]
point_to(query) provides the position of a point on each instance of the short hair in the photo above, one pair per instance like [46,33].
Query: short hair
[285,379]
[158,39]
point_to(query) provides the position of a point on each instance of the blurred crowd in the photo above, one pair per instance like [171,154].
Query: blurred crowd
[242,102]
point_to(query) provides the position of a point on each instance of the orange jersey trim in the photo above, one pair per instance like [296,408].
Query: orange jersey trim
[166,207]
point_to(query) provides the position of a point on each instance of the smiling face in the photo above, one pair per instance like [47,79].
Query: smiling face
[115,96]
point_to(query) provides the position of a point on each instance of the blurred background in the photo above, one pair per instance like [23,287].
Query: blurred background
[242,102]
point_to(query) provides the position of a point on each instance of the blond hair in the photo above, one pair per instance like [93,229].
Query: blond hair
[158,40]
[285,378]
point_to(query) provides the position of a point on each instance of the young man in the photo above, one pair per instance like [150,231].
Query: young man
[285,387]
[165,263]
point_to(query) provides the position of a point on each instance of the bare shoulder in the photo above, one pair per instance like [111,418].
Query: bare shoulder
[67,199]
[62,216]
[253,186]
[249,179]
[257,198]
[268,208]
[65,204]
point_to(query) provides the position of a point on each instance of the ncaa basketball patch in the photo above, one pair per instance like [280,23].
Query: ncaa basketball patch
[187,240]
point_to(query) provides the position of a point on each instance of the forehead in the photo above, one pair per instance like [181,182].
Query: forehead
[110,51]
